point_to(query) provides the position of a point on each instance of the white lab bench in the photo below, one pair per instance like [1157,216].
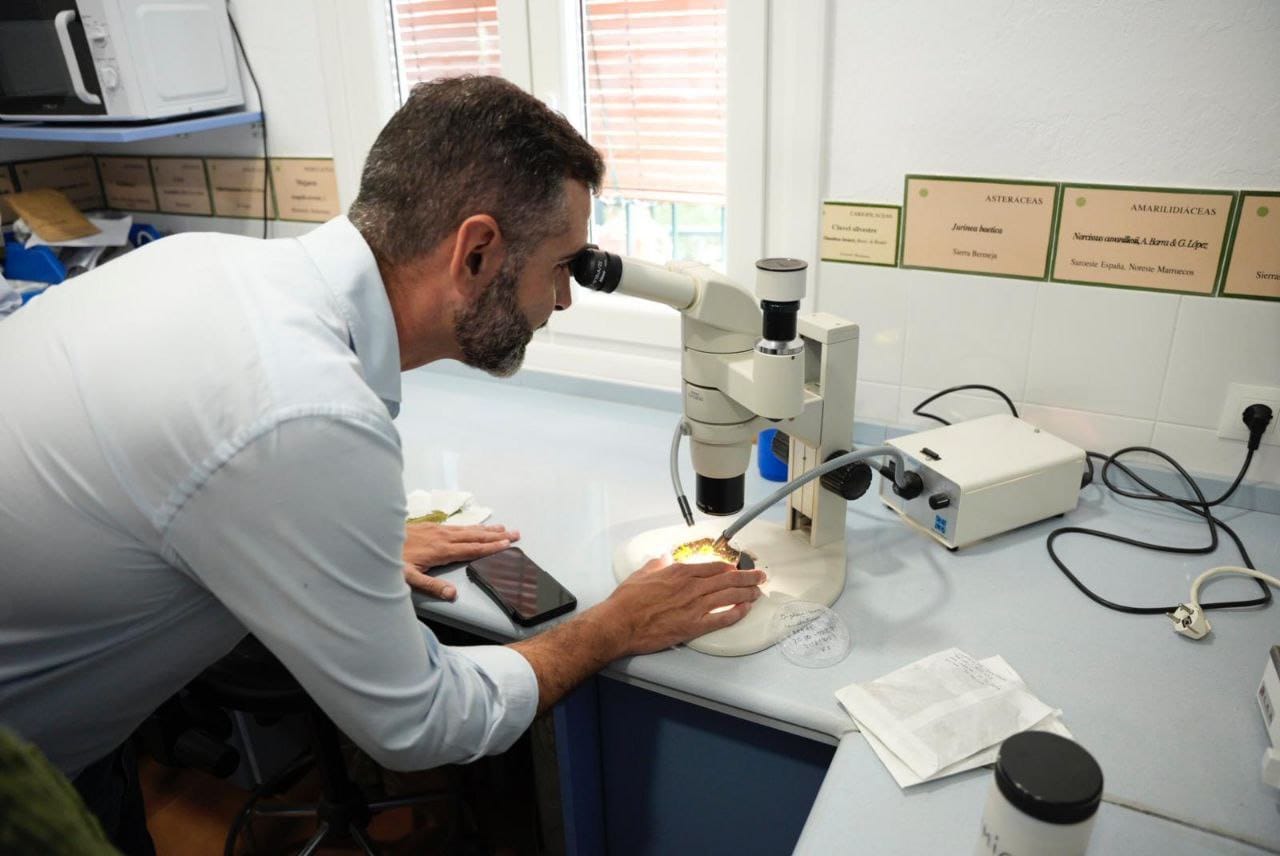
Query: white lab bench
[1172,722]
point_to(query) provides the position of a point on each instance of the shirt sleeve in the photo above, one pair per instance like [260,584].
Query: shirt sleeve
[299,534]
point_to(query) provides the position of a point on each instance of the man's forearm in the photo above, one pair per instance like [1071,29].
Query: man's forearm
[653,609]
[567,655]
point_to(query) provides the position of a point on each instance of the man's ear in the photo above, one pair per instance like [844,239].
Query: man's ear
[479,252]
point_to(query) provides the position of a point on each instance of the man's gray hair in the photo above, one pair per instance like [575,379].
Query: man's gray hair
[464,146]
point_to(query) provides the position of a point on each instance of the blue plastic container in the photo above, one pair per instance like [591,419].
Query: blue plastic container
[771,467]
[38,264]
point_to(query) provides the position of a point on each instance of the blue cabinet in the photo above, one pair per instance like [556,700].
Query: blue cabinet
[644,773]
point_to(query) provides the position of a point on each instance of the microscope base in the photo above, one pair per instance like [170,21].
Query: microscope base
[797,571]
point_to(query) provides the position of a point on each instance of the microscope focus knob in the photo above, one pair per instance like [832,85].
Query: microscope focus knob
[850,481]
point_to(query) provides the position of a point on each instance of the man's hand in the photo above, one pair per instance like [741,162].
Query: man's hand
[662,605]
[429,545]
[658,606]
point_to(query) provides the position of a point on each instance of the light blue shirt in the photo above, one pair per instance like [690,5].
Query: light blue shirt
[195,442]
[10,300]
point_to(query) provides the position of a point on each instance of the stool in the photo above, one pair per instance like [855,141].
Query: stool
[250,679]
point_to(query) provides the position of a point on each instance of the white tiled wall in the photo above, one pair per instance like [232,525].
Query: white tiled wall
[977,89]
[1104,368]
[1102,350]
[992,342]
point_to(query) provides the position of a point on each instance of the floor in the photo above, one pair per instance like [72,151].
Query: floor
[512,804]
[189,812]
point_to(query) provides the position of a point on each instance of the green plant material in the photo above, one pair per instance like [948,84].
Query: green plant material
[40,811]
[703,550]
[433,517]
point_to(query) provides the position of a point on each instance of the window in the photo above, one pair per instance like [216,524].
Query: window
[654,96]
[656,85]
[443,38]
[647,81]
[653,100]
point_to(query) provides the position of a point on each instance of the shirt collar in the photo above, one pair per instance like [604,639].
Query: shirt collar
[351,273]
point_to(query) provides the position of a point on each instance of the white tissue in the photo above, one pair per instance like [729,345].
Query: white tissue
[426,501]
[906,777]
[941,710]
[471,515]
[112,232]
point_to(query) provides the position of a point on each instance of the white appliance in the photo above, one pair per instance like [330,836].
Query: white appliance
[986,476]
[115,60]
[1268,701]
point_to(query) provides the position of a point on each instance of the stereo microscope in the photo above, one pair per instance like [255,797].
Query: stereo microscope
[751,362]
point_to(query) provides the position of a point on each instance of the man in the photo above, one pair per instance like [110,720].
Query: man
[196,441]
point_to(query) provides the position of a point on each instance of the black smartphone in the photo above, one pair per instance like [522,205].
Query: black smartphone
[525,592]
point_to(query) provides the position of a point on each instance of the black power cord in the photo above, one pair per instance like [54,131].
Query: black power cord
[262,105]
[1256,421]
[916,410]
[1199,506]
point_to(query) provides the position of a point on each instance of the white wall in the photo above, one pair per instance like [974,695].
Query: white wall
[1139,92]
[1166,93]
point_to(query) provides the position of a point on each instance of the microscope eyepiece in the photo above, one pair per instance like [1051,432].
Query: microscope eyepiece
[779,319]
[779,285]
[597,269]
[601,270]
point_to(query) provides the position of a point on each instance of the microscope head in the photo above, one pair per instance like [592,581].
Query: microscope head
[742,362]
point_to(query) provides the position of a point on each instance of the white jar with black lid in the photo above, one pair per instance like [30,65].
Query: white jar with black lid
[1044,799]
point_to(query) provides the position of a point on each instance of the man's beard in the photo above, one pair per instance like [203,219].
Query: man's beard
[494,332]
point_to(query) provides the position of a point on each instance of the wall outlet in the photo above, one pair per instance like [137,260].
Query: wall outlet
[1240,396]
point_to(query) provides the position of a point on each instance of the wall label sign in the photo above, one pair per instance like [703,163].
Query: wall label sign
[988,226]
[1137,237]
[306,188]
[127,183]
[300,189]
[76,176]
[6,186]
[1253,262]
[860,233]
[182,186]
[238,187]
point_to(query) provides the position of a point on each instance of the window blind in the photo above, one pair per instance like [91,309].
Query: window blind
[656,94]
[443,38]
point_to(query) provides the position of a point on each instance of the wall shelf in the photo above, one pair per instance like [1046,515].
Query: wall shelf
[106,133]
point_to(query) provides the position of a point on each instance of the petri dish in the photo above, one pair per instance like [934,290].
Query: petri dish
[811,635]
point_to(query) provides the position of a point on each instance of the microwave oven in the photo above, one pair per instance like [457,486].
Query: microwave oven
[115,60]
